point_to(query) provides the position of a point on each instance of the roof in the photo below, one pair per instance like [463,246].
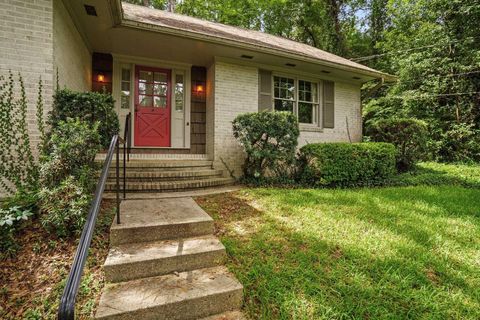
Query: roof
[253,38]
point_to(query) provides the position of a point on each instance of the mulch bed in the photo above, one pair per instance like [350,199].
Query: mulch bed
[32,281]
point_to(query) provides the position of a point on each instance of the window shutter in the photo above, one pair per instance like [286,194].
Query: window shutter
[328,104]
[264,90]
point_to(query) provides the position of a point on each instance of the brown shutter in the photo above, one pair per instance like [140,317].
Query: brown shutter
[264,90]
[328,104]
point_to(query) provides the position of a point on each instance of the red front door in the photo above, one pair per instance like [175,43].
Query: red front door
[152,107]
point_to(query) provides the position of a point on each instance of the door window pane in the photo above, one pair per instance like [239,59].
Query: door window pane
[145,101]
[179,92]
[160,102]
[145,76]
[125,89]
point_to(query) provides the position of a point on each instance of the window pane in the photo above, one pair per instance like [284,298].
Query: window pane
[125,74]
[145,101]
[315,92]
[305,112]
[125,101]
[160,89]
[282,105]
[179,92]
[125,86]
[145,76]
[160,77]
[160,102]
[179,105]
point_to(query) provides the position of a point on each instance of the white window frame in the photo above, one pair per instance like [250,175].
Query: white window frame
[318,117]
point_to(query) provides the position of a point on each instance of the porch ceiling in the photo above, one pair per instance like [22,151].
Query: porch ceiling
[102,35]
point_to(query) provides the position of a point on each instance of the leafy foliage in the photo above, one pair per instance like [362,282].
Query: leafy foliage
[91,107]
[409,136]
[18,168]
[67,176]
[461,143]
[269,140]
[10,220]
[64,207]
[347,164]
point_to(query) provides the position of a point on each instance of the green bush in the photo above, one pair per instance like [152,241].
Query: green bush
[70,150]
[410,137]
[269,140]
[67,176]
[10,221]
[91,107]
[346,164]
[64,208]
[460,144]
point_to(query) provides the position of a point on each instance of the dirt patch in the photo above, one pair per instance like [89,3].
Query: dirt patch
[32,281]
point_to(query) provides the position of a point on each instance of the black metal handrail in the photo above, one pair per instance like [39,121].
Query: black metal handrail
[66,309]
[127,144]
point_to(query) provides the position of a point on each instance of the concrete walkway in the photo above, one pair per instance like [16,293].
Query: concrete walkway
[165,263]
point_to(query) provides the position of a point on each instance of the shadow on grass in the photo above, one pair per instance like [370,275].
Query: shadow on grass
[290,271]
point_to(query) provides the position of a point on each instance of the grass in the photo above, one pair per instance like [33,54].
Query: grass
[32,281]
[406,252]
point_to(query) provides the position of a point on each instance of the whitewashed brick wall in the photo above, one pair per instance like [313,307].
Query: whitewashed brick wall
[26,47]
[71,56]
[236,92]
[347,109]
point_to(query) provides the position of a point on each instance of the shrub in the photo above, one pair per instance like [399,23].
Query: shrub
[71,150]
[346,164]
[460,144]
[64,207]
[91,107]
[409,136]
[10,221]
[269,140]
[67,176]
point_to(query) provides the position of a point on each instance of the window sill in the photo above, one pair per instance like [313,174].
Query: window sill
[310,128]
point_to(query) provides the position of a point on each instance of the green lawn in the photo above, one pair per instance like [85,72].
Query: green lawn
[381,253]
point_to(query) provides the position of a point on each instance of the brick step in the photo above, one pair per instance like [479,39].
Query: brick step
[142,164]
[162,175]
[141,260]
[186,295]
[170,185]
[229,315]
[153,219]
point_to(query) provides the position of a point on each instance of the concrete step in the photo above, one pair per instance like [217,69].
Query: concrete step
[170,164]
[147,186]
[159,219]
[229,315]
[162,175]
[184,296]
[141,260]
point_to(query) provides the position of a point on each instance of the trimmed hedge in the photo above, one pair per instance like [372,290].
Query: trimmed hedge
[347,164]
[408,135]
[91,107]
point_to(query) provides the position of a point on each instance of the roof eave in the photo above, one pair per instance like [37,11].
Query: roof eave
[120,20]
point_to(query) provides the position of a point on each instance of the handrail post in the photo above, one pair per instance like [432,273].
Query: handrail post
[117,169]
[124,169]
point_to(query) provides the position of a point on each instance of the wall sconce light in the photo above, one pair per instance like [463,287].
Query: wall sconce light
[101,77]
[199,88]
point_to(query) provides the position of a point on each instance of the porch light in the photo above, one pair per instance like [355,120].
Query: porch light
[199,88]
[101,77]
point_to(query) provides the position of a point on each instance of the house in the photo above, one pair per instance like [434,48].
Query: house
[182,79]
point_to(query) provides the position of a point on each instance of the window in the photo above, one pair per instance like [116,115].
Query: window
[179,93]
[125,92]
[307,102]
[284,94]
[305,105]
[152,89]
